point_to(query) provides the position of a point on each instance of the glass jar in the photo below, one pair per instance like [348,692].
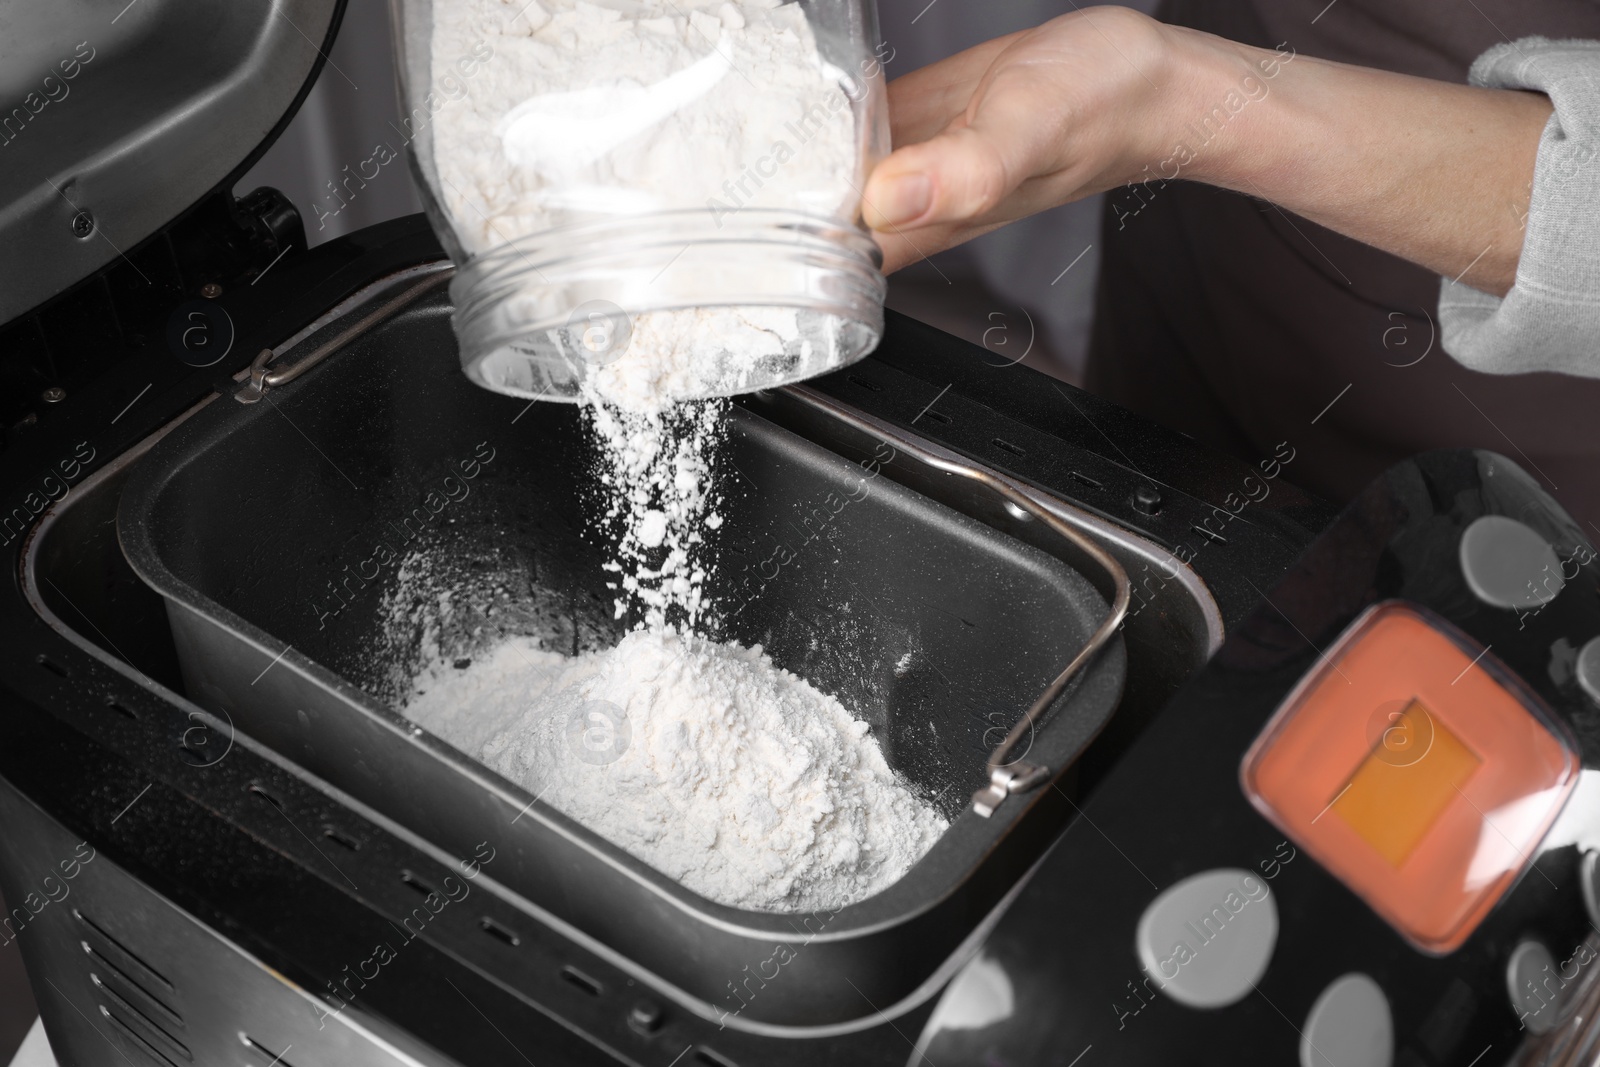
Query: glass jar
[666,184]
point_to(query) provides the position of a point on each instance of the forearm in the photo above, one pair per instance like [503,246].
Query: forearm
[1436,173]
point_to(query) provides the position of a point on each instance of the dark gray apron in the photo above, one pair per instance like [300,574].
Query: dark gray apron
[1244,326]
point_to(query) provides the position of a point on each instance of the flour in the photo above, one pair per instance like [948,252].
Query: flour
[629,107]
[653,469]
[704,760]
[730,774]
[641,109]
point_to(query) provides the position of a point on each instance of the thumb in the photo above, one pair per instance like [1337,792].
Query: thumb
[968,170]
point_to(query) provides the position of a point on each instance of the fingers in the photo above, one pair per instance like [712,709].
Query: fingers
[968,169]
[923,102]
[902,248]
[1070,108]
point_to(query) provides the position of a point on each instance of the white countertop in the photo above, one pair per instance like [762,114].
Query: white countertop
[35,1050]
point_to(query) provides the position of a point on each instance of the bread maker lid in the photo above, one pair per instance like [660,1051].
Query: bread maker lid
[117,118]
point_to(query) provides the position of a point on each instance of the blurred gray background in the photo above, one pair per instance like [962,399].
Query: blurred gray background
[1026,288]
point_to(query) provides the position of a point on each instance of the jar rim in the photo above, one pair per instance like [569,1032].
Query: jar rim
[515,303]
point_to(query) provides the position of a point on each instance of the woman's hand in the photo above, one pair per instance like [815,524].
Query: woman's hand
[1018,125]
[1439,174]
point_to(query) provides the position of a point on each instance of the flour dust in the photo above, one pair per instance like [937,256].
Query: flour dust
[702,758]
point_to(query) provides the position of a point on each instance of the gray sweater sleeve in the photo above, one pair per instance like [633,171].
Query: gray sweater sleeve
[1550,320]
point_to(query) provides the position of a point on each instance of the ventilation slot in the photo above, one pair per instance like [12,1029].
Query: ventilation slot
[339,837]
[119,955]
[1015,450]
[706,1058]
[262,794]
[494,929]
[1084,479]
[137,1042]
[582,981]
[122,710]
[422,888]
[118,988]
[130,996]
[52,666]
[264,1055]
[143,1026]
[858,380]
[934,416]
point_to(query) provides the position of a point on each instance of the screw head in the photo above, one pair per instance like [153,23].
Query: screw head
[82,224]
[211,290]
[1147,500]
[54,395]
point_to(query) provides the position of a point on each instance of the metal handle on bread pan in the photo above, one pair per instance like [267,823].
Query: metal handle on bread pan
[1008,776]
[261,379]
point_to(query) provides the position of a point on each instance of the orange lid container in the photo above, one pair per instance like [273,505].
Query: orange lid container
[1414,767]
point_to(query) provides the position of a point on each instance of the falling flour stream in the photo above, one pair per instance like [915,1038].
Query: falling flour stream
[705,760]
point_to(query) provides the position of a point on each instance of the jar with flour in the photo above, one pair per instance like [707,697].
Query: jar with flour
[665,192]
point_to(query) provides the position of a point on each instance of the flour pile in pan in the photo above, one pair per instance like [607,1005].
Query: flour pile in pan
[702,759]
